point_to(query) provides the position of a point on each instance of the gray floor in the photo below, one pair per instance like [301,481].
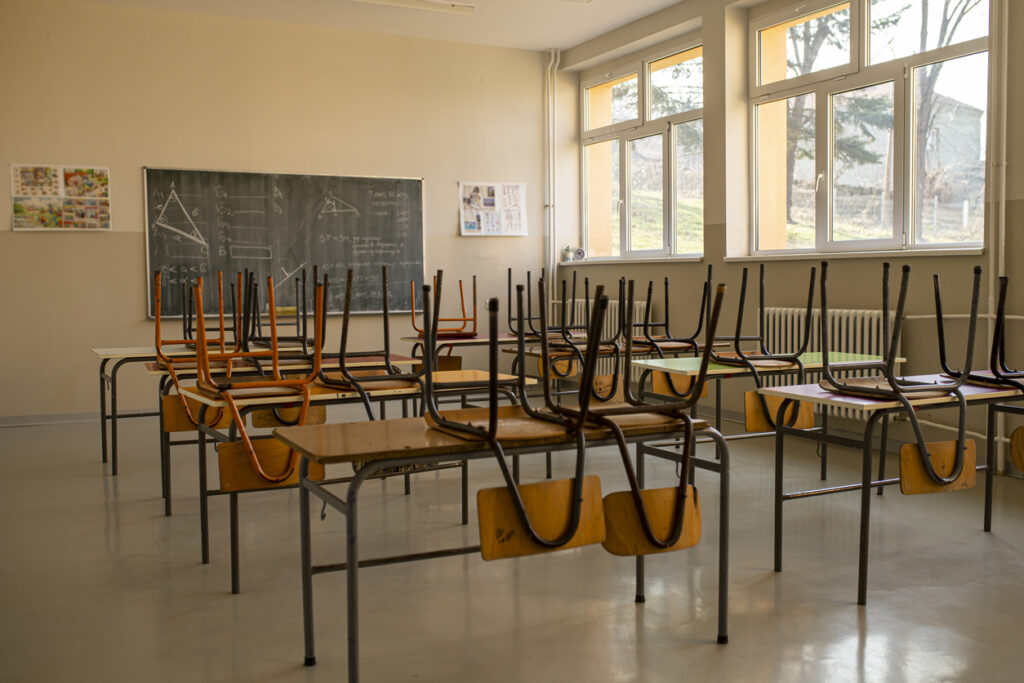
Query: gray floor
[99,585]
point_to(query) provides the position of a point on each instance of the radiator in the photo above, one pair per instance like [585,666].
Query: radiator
[850,330]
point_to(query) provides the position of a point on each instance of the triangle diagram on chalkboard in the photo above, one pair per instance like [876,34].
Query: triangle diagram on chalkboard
[331,203]
[175,217]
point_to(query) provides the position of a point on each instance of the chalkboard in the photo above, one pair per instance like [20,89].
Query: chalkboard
[199,222]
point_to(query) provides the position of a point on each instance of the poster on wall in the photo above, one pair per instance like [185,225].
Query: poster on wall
[45,197]
[492,209]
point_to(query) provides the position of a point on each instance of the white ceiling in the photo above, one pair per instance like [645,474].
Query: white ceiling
[525,24]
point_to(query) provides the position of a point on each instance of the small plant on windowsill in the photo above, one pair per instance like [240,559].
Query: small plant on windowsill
[567,253]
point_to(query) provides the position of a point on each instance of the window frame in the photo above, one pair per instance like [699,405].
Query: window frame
[830,82]
[626,132]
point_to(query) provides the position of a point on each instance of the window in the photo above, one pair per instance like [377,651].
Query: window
[643,150]
[869,124]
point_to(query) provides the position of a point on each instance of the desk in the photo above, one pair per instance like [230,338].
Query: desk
[121,356]
[874,410]
[319,395]
[410,442]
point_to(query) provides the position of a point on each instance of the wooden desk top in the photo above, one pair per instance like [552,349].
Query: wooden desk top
[479,340]
[377,440]
[690,366]
[328,363]
[121,352]
[321,393]
[412,437]
[812,393]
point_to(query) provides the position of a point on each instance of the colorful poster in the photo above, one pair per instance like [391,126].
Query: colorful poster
[60,197]
[492,209]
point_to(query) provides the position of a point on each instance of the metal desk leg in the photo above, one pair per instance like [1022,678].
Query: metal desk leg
[235,582]
[823,445]
[780,431]
[113,414]
[352,570]
[882,452]
[722,455]
[990,459]
[307,563]
[865,509]
[718,404]
[103,408]
[640,476]
[204,512]
[465,492]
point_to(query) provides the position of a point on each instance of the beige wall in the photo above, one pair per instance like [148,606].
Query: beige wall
[125,88]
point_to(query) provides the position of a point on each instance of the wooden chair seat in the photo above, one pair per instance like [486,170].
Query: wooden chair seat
[377,384]
[914,479]
[878,383]
[755,420]
[548,505]
[250,392]
[625,535]
[515,426]
[237,473]
[635,424]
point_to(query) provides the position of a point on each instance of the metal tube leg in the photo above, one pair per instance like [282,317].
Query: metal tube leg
[882,452]
[515,468]
[204,513]
[990,459]
[307,564]
[640,583]
[465,492]
[779,438]
[722,453]
[865,511]
[352,572]
[235,582]
[113,418]
[408,486]
[718,403]
[547,464]
[824,444]
[103,409]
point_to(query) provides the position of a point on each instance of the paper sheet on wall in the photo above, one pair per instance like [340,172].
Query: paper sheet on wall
[59,197]
[492,209]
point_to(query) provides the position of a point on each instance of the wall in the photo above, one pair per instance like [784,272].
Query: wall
[125,88]
[855,282]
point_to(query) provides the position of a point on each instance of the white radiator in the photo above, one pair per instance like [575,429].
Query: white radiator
[850,331]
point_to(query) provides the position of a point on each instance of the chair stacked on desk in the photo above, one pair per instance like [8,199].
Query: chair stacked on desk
[924,467]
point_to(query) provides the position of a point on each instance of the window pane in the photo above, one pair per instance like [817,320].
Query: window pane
[785,173]
[813,42]
[896,25]
[949,150]
[612,102]
[601,165]
[646,194]
[677,83]
[862,161]
[690,187]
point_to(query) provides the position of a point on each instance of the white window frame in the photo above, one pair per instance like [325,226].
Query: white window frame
[627,131]
[826,83]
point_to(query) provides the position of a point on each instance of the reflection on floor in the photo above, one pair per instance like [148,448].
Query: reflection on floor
[99,585]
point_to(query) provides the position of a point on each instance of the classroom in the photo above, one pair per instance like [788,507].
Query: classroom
[822,194]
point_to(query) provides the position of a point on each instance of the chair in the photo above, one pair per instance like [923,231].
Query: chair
[758,409]
[277,385]
[918,461]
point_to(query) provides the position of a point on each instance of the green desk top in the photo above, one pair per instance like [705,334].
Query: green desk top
[690,366]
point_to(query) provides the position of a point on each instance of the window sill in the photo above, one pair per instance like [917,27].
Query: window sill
[632,261]
[833,255]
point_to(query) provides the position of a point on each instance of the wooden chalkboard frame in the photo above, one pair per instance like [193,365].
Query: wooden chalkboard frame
[418,223]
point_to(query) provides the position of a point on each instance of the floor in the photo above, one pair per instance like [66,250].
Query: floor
[99,586]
